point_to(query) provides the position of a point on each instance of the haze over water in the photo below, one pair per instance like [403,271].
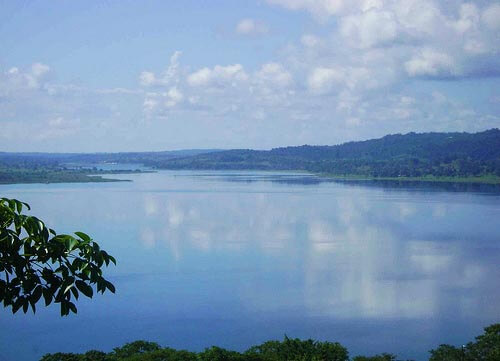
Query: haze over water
[237,258]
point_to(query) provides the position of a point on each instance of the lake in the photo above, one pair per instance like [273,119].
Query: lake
[237,258]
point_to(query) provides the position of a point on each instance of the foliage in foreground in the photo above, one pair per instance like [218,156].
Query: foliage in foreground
[36,262]
[485,348]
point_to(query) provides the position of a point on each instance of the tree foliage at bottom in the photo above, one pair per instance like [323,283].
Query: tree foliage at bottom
[485,348]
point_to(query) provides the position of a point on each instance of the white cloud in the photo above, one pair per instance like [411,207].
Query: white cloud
[39,69]
[491,16]
[274,75]
[364,57]
[173,97]
[34,78]
[158,102]
[369,29]
[169,77]
[469,18]
[251,27]
[321,79]
[319,8]
[218,76]
[147,78]
[430,62]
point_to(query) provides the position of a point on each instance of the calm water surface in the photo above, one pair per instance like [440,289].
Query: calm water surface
[237,258]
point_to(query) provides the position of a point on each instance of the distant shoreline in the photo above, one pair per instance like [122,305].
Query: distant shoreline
[77,177]
[48,176]
[434,179]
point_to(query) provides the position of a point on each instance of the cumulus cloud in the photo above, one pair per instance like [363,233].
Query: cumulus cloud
[322,80]
[339,82]
[433,63]
[168,77]
[218,76]
[158,102]
[319,8]
[423,37]
[274,75]
[33,78]
[368,29]
[251,27]
[33,102]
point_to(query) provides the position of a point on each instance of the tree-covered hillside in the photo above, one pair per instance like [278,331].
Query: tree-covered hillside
[444,155]
[409,155]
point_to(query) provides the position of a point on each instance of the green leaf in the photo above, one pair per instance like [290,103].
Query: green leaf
[26,305]
[37,293]
[84,288]
[112,259]
[17,305]
[47,295]
[68,287]
[72,307]
[110,286]
[64,309]
[85,237]
[70,242]
[74,291]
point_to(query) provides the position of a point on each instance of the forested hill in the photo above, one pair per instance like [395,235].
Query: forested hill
[408,155]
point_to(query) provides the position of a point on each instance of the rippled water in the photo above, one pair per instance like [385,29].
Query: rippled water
[237,258]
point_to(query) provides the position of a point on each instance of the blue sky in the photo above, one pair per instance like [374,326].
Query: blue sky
[158,75]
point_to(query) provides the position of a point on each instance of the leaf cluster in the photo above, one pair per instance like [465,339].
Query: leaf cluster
[36,262]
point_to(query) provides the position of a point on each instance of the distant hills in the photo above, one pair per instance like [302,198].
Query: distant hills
[78,167]
[408,155]
[468,156]
[58,159]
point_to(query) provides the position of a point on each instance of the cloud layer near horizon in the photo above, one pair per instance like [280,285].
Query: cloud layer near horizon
[371,67]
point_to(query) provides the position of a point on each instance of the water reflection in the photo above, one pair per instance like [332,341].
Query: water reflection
[203,260]
[311,179]
[349,255]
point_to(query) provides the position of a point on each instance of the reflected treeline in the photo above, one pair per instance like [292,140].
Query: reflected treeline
[280,179]
[385,184]
[423,185]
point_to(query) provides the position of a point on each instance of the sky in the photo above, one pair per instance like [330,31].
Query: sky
[107,76]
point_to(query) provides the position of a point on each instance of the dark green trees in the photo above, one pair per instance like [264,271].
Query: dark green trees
[295,349]
[286,350]
[382,357]
[36,262]
[486,348]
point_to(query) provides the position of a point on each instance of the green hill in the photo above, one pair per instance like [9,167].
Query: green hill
[408,155]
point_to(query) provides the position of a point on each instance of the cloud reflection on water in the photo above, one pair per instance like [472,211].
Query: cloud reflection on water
[338,254]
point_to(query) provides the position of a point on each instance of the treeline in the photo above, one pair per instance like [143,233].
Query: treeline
[61,160]
[73,167]
[44,175]
[409,155]
[41,174]
[454,155]
[485,348]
